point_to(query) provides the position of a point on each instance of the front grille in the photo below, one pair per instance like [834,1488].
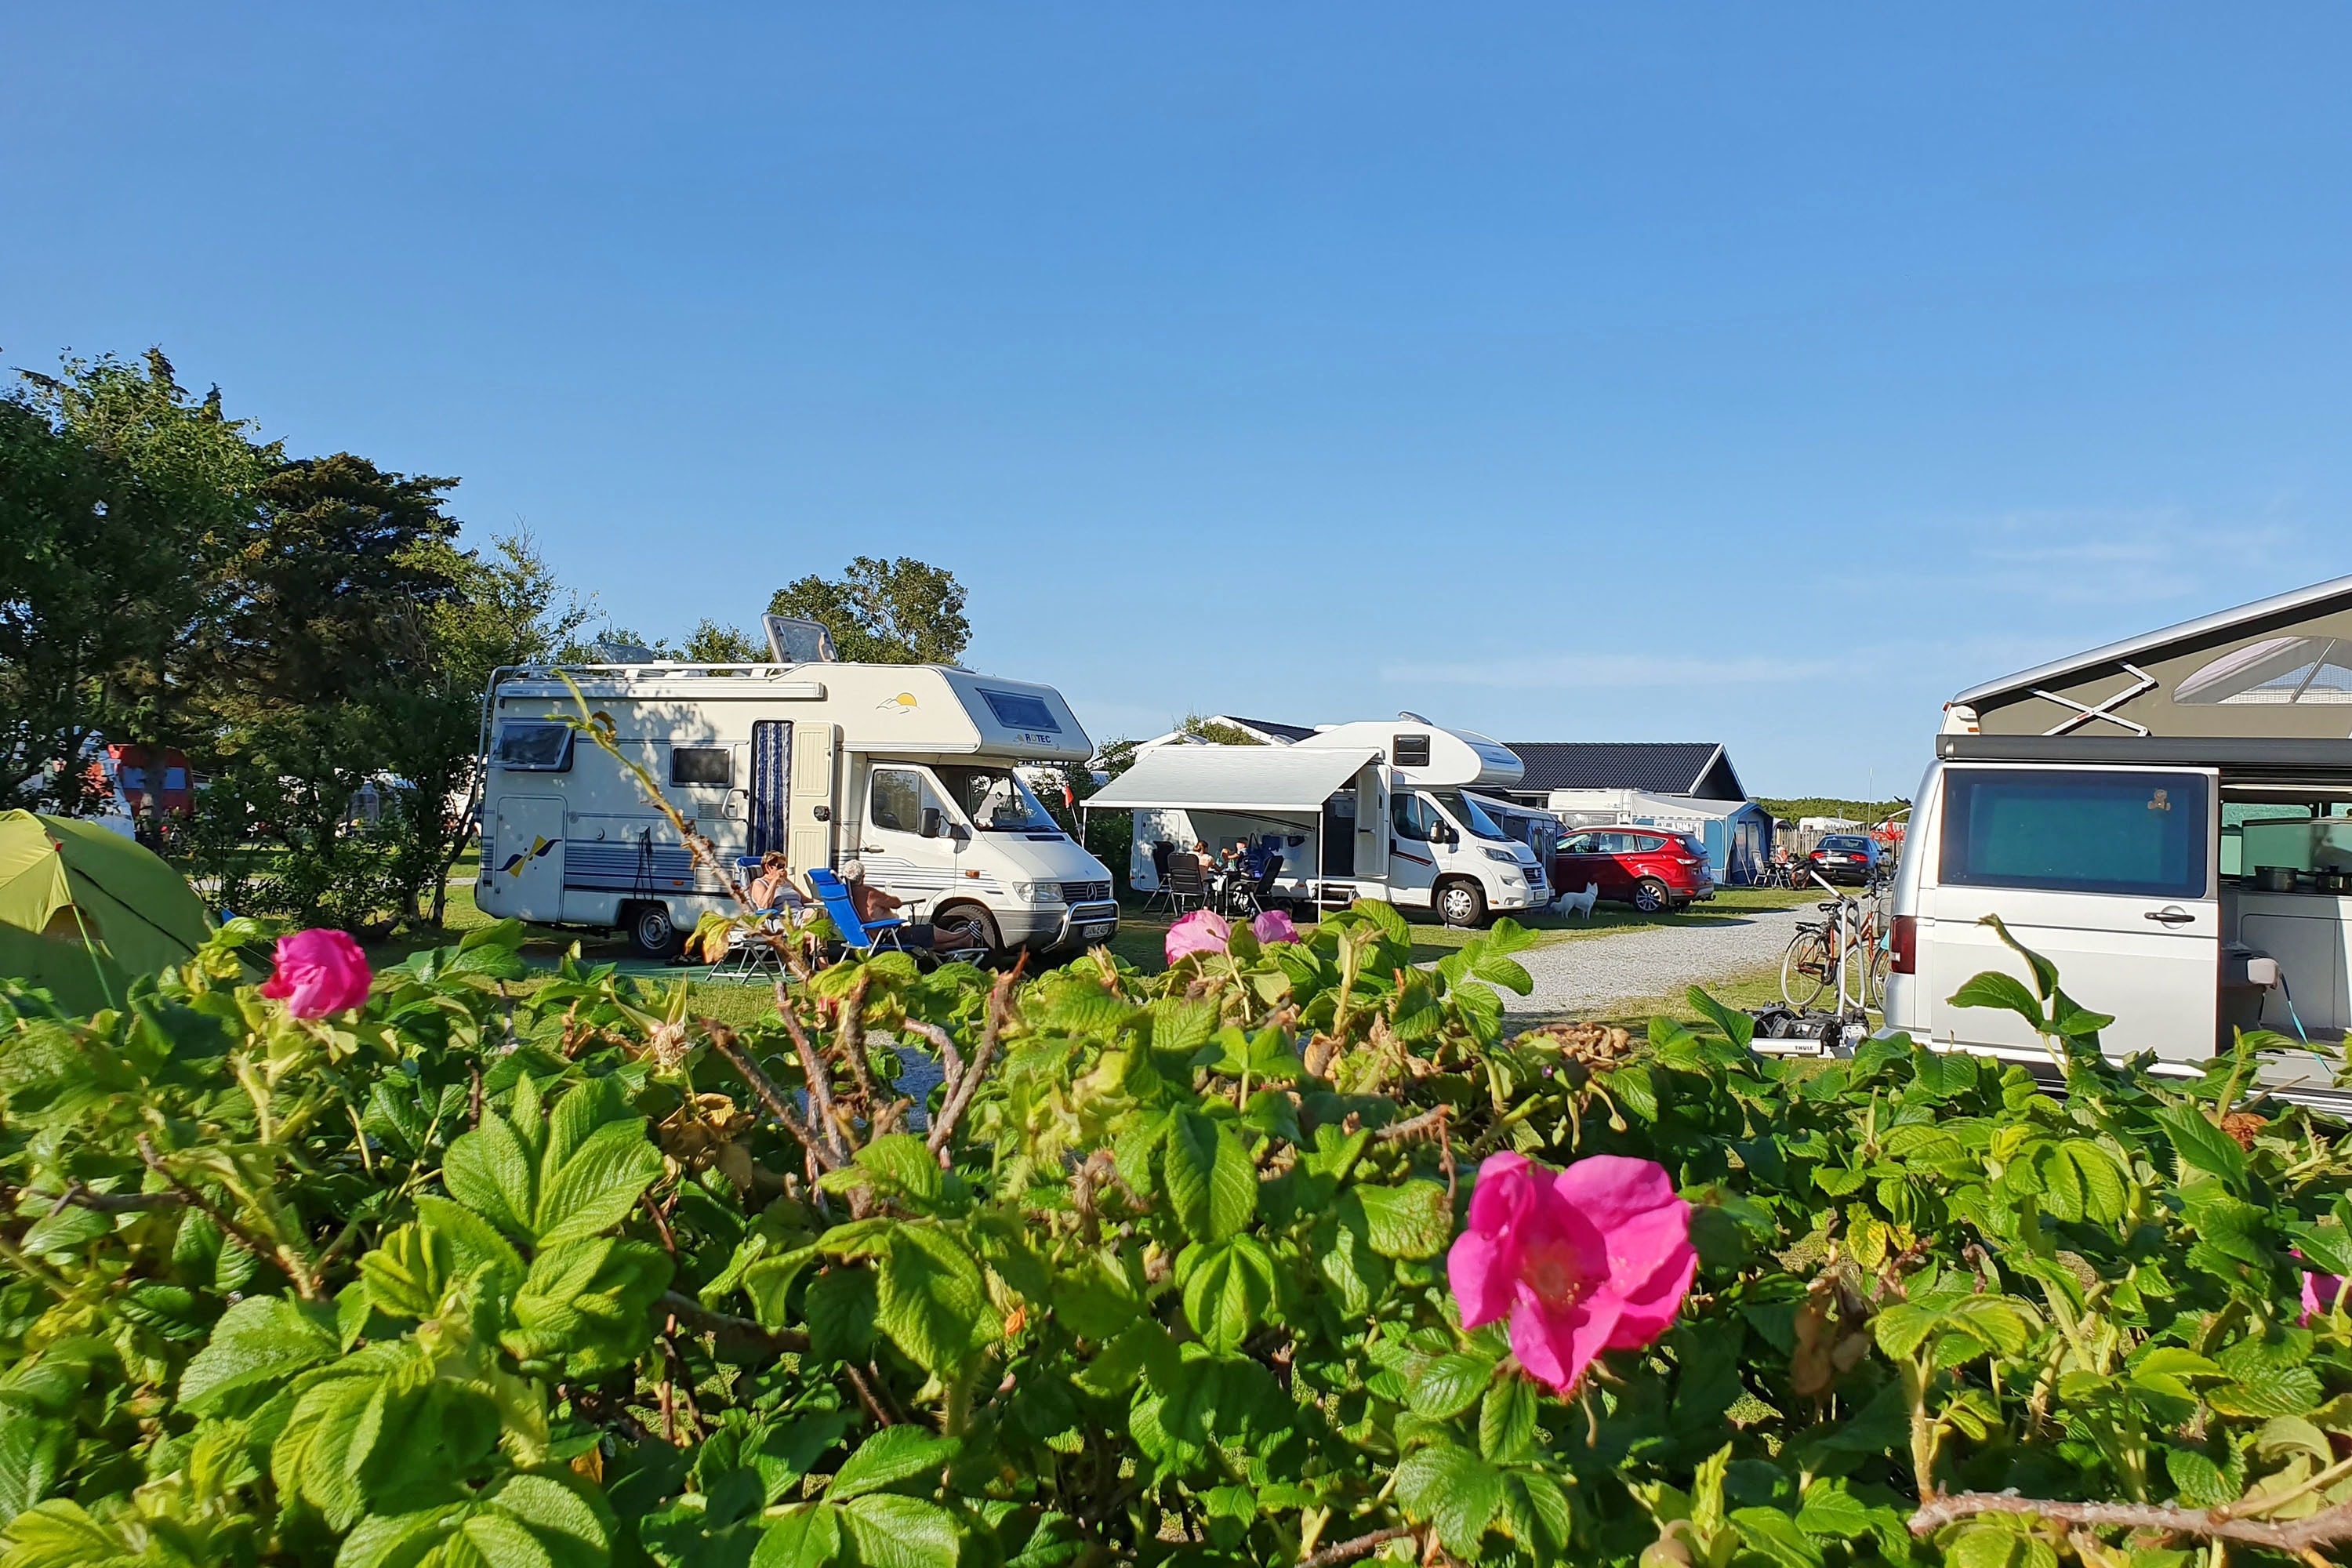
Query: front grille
[1094,914]
[1084,893]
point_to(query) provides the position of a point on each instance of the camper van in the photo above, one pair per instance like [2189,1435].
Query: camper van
[2168,820]
[1375,810]
[909,768]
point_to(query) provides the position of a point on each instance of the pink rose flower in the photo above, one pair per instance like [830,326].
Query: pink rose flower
[1200,932]
[2319,1293]
[1594,1257]
[1275,926]
[319,973]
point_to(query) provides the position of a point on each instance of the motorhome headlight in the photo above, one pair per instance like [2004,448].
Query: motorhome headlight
[1505,855]
[1038,892]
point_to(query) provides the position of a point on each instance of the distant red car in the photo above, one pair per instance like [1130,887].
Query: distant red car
[1647,867]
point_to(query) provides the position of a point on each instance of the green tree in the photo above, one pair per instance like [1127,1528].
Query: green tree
[1215,732]
[714,643]
[884,612]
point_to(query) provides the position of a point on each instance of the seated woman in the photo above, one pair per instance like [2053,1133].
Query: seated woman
[772,887]
[873,904]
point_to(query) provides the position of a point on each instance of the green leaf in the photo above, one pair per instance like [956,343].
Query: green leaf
[595,1185]
[2327,1248]
[568,1523]
[901,1159]
[1450,1386]
[1506,1420]
[1227,1289]
[934,1303]
[1771,1533]
[1209,1177]
[490,1171]
[808,1537]
[1737,1025]
[2201,1144]
[1829,1509]
[588,1304]
[894,1531]
[1411,1220]
[260,1341]
[32,1452]
[1994,989]
[1454,1491]
[892,1455]
[68,1230]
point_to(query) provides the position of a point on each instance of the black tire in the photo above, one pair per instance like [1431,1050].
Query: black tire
[1652,897]
[1806,968]
[1459,903]
[652,934]
[965,925]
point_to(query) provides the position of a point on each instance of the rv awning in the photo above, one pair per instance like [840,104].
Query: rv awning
[1233,778]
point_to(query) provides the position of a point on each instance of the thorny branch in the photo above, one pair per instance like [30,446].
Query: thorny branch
[298,1268]
[820,1080]
[2326,1527]
[1349,1551]
[723,1041]
[969,1084]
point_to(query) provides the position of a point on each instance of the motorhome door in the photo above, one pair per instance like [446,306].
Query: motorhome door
[815,754]
[1416,838]
[526,857]
[772,785]
[908,848]
[2110,873]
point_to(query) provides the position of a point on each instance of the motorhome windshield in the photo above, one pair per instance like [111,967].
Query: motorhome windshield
[996,800]
[1465,810]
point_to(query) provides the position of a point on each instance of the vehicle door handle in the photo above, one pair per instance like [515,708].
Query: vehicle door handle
[876,849]
[2172,915]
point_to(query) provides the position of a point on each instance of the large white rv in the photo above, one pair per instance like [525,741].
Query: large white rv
[1374,810]
[909,768]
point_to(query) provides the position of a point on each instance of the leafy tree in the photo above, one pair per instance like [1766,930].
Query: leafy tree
[884,612]
[1216,732]
[714,643]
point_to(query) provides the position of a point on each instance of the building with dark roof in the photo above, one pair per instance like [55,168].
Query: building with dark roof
[1683,786]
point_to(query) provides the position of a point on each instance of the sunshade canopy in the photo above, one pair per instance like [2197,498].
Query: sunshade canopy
[1234,778]
[83,910]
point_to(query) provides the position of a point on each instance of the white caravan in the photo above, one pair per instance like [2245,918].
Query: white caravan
[909,768]
[1373,810]
[2168,820]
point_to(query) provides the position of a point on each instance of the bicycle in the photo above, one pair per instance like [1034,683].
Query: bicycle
[1812,963]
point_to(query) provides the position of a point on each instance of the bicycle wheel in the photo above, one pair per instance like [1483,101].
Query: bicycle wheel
[1806,968]
[1873,981]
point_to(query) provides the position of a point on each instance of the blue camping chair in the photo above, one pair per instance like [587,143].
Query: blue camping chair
[862,936]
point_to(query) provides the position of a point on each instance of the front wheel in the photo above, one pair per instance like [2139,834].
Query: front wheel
[1805,969]
[1461,904]
[963,926]
[1652,895]
[653,934]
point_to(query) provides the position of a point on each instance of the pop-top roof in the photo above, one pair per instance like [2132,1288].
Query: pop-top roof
[1234,778]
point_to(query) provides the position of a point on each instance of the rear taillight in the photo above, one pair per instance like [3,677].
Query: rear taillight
[1903,944]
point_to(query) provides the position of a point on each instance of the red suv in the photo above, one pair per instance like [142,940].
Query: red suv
[1647,867]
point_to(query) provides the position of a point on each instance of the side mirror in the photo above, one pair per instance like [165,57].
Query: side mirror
[933,822]
[958,832]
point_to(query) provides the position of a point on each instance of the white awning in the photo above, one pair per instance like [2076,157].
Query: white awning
[1234,778]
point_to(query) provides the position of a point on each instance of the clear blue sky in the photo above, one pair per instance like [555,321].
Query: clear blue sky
[1755,373]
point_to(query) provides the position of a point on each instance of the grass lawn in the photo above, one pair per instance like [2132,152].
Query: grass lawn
[1140,942]
[1740,992]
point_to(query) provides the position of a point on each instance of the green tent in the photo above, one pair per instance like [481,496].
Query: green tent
[82,910]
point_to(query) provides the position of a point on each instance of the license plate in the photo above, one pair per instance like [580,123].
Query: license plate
[1091,932]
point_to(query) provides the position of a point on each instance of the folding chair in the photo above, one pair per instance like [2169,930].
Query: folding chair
[748,954]
[1249,899]
[1160,851]
[1185,888]
[861,936]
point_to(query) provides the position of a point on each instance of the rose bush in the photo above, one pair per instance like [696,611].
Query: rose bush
[1216,1265]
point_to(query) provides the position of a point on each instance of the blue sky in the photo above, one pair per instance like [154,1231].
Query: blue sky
[1760,375]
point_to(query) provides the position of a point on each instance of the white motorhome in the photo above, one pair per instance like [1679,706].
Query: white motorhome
[909,768]
[1375,810]
[2168,820]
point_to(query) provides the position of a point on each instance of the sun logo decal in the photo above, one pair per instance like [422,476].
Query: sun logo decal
[902,703]
[538,851]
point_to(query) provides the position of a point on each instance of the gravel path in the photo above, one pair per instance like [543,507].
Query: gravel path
[1577,977]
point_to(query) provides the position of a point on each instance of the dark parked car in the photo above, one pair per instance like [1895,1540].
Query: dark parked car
[1846,858]
[1647,867]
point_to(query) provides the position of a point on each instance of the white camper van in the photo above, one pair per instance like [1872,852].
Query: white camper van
[2168,820]
[909,768]
[1374,810]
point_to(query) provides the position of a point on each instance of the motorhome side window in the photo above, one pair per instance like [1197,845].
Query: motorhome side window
[701,765]
[2142,834]
[897,800]
[532,748]
[1414,817]
[1019,710]
[1409,750]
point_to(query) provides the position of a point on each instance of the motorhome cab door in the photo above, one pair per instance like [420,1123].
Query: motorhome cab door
[1416,843]
[909,847]
[2110,873]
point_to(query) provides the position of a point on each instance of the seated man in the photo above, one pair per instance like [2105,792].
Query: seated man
[873,904]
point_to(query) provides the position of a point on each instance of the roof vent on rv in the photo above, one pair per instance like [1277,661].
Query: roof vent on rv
[796,641]
[622,653]
[1412,718]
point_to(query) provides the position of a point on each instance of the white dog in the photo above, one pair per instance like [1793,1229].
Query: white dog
[1581,902]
